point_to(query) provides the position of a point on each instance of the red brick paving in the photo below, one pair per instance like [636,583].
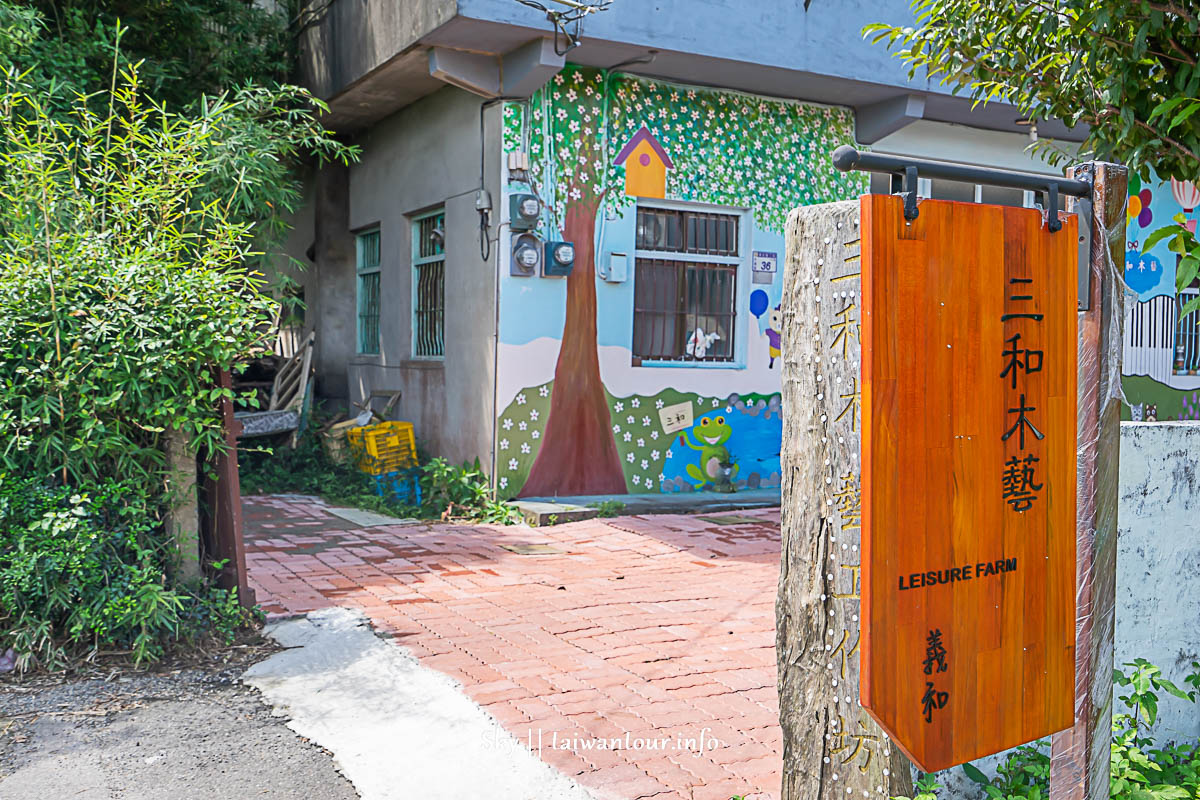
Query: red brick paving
[654,630]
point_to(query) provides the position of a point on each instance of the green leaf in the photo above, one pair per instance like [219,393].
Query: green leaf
[974,773]
[1158,234]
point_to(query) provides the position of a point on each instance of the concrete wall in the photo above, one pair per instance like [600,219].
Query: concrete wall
[1158,557]
[420,158]
[824,40]
[425,156]
[344,41]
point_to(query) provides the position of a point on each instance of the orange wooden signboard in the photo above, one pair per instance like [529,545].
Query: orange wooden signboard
[968,476]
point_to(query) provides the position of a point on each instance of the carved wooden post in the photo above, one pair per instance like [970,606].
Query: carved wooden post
[222,505]
[183,516]
[1080,756]
[831,747]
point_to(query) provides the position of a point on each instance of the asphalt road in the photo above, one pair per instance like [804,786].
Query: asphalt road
[190,733]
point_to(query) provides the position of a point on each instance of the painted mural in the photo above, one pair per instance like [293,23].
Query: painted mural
[580,412]
[1161,352]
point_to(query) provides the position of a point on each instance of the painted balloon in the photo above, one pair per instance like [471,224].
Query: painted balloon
[1145,216]
[1186,194]
[758,302]
[1133,208]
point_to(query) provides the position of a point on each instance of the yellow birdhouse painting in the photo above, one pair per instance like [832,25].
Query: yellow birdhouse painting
[646,164]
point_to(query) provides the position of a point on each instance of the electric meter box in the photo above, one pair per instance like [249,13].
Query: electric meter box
[527,255]
[559,259]
[524,211]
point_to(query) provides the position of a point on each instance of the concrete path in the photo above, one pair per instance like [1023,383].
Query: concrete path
[397,730]
[634,654]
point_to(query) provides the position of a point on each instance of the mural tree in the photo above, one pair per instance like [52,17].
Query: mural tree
[726,148]
[578,453]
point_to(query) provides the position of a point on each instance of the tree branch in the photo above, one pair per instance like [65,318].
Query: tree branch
[1172,8]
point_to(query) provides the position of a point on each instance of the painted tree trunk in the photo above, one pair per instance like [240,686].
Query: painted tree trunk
[831,747]
[578,453]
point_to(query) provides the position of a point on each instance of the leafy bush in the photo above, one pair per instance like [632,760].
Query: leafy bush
[447,491]
[608,508]
[128,239]
[88,571]
[1141,769]
[462,491]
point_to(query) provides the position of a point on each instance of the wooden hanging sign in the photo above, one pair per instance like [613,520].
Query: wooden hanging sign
[968,476]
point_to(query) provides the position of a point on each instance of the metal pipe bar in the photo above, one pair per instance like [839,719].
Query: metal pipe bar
[847,158]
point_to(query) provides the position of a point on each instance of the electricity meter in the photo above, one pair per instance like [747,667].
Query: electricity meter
[524,211]
[560,259]
[526,255]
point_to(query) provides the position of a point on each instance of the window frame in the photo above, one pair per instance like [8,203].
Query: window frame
[740,262]
[417,260]
[1191,343]
[362,272]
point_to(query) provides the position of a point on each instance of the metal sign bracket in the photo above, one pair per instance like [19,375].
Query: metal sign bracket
[905,171]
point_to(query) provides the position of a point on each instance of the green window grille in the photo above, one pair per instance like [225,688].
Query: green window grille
[429,285]
[368,292]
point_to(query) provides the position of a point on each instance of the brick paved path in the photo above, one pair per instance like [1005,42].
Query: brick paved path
[653,631]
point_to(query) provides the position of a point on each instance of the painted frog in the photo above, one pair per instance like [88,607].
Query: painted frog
[711,433]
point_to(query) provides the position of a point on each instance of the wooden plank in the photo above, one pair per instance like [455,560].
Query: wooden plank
[968,366]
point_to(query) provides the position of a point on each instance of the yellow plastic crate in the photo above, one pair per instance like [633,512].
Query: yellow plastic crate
[383,448]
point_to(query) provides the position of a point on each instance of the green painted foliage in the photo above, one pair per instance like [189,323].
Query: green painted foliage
[727,148]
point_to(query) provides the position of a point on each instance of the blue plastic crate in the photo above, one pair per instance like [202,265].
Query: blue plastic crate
[402,486]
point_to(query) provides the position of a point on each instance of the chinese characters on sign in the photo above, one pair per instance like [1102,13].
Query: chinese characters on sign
[1018,486]
[675,418]
[935,662]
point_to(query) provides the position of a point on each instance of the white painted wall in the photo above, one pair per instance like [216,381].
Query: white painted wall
[1158,557]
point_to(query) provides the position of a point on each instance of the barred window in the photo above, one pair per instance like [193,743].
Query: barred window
[1187,335]
[429,284]
[367,267]
[685,285]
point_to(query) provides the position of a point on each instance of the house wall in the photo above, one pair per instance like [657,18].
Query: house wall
[422,157]
[1161,363]
[734,152]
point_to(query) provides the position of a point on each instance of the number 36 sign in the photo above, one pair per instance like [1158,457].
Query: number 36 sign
[968,497]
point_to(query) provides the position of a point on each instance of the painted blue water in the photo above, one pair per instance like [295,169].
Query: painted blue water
[754,445]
